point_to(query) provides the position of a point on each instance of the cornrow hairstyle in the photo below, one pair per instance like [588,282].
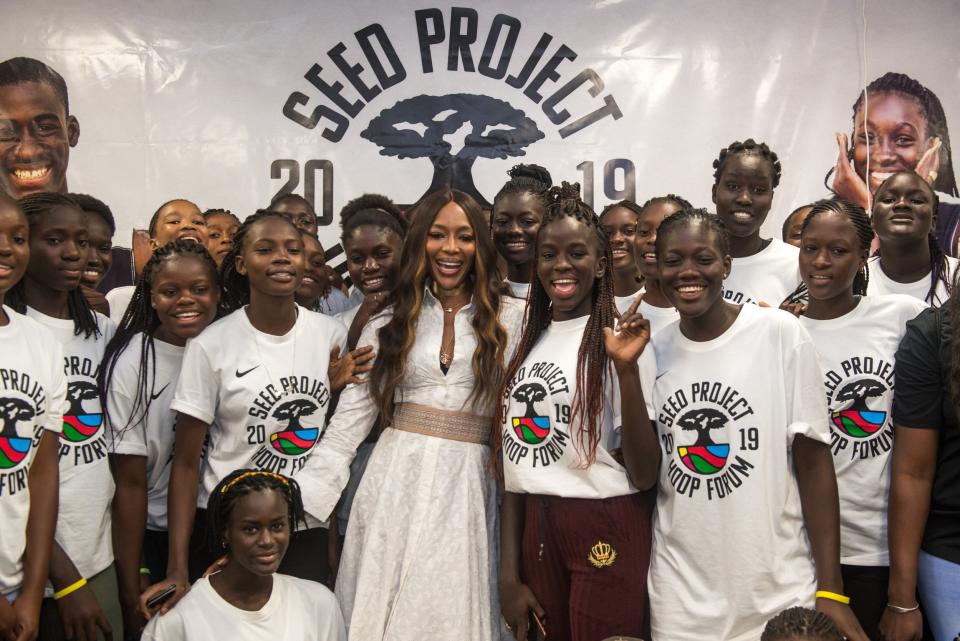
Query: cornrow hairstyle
[210,213]
[904,85]
[240,483]
[141,319]
[593,366]
[748,146]
[532,179]
[234,286]
[673,198]
[858,217]
[152,228]
[18,70]
[96,206]
[626,204]
[34,207]
[939,266]
[372,209]
[397,336]
[689,216]
[800,623]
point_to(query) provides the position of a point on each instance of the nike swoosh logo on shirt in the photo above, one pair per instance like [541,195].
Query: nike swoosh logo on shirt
[154,397]
[242,374]
[661,375]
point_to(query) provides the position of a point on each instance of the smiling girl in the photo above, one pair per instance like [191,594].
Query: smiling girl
[655,306]
[33,391]
[174,219]
[764,269]
[905,129]
[574,524]
[517,213]
[50,294]
[747,512]
[176,298]
[423,524]
[856,338]
[101,227]
[257,381]
[253,515]
[910,260]
[619,221]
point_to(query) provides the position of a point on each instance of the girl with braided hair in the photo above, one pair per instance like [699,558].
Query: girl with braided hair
[50,294]
[517,213]
[175,219]
[905,129]
[619,221]
[176,297]
[747,519]
[655,306]
[33,391]
[856,337]
[257,382]
[222,226]
[800,624]
[764,269]
[253,515]
[575,518]
[909,259]
[423,522]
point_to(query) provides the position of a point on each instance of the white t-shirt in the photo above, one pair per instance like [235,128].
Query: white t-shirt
[33,395]
[769,276]
[623,302]
[297,610]
[150,435]
[86,484]
[879,283]
[540,449]
[519,290]
[119,299]
[265,397]
[857,356]
[659,317]
[729,544]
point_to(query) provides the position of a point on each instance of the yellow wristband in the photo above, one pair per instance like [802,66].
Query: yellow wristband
[833,596]
[70,589]
[144,570]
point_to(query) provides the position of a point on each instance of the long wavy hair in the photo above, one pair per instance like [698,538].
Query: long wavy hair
[592,362]
[398,335]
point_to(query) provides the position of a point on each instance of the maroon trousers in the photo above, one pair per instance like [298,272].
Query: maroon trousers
[586,561]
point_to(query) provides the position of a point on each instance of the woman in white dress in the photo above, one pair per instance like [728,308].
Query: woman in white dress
[420,556]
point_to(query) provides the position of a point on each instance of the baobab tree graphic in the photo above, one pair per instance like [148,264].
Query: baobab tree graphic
[530,428]
[858,420]
[432,126]
[13,448]
[704,456]
[295,438]
[78,425]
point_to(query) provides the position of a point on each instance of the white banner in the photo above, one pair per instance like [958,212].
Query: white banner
[229,103]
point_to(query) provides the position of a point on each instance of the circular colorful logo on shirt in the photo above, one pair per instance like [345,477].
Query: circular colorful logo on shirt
[858,420]
[13,447]
[79,425]
[530,428]
[704,456]
[295,439]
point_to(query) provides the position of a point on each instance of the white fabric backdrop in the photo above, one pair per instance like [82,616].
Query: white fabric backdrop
[185,98]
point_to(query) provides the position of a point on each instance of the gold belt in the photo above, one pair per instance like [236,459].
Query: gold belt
[430,421]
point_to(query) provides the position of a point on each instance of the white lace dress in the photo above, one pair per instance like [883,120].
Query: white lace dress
[420,561]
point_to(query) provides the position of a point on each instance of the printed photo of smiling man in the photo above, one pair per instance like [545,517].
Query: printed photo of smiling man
[37,131]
